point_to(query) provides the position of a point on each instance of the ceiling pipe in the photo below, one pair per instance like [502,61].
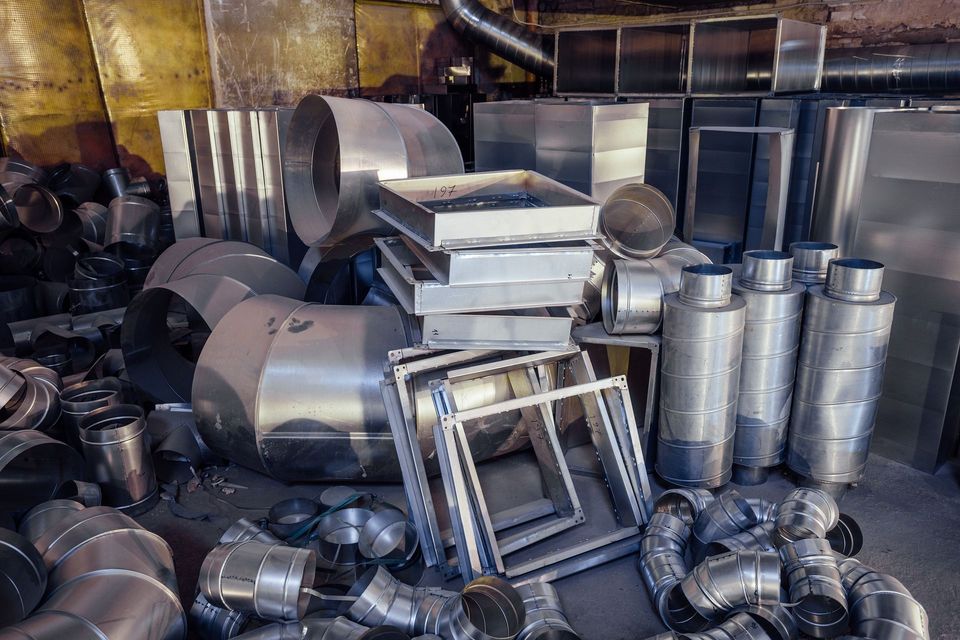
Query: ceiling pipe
[505,37]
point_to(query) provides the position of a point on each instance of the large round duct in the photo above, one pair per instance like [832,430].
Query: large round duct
[338,149]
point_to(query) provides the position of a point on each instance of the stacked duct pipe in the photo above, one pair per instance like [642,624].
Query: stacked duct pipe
[338,149]
[700,377]
[201,279]
[770,341]
[108,579]
[843,349]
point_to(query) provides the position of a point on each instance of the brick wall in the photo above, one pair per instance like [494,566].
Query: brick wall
[850,23]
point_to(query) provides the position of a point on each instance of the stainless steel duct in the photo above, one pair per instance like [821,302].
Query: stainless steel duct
[810,261]
[637,221]
[771,337]
[109,579]
[117,451]
[23,578]
[38,405]
[508,39]
[338,149]
[918,68]
[843,349]
[45,515]
[274,407]
[806,513]
[700,378]
[739,578]
[32,466]
[545,618]
[739,626]
[727,515]
[820,601]
[633,290]
[215,623]
[662,567]
[684,503]
[880,606]
[756,538]
[133,221]
[262,579]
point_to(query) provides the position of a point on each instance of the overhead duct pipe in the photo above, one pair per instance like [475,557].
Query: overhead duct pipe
[508,39]
[927,68]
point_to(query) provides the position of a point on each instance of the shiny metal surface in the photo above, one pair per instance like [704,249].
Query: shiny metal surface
[38,208]
[662,567]
[771,339]
[487,209]
[880,606]
[504,135]
[215,623]
[243,529]
[117,452]
[637,221]
[846,538]
[586,61]
[633,291]
[763,54]
[87,494]
[727,515]
[815,588]
[765,510]
[269,406]
[730,222]
[700,373]
[684,503]
[288,516]
[508,39]
[730,580]
[739,626]
[338,535]
[488,608]
[918,68]
[79,399]
[93,220]
[24,577]
[161,372]
[756,538]
[336,151]
[843,168]
[32,466]
[913,163]
[653,59]
[806,513]
[843,350]
[176,138]
[43,516]
[810,261]
[388,535]
[545,617]
[257,578]
[38,406]
[776,620]
[134,221]
[384,600]
[591,146]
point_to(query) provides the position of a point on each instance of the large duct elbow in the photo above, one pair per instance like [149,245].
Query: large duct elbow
[508,39]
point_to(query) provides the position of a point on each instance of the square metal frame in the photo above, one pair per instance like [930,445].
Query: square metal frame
[781,158]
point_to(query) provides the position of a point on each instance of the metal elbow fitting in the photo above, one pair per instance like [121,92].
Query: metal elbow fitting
[684,503]
[756,538]
[806,513]
[545,618]
[815,587]
[722,583]
[727,515]
[880,606]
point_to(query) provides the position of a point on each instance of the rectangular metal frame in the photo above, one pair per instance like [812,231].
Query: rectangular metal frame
[617,449]
[560,65]
[781,155]
[403,272]
[666,84]
[567,214]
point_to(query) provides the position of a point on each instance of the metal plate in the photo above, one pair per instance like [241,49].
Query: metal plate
[495,331]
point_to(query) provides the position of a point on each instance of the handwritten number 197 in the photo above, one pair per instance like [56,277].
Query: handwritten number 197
[444,191]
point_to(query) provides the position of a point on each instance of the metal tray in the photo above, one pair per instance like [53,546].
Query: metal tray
[419,294]
[524,263]
[487,209]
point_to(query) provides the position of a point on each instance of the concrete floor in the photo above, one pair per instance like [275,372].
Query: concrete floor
[910,522]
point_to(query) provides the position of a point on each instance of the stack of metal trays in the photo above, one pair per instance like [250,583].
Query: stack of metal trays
[484,257]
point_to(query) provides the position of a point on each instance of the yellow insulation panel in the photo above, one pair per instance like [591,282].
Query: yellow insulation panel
[51,109]
[151,56]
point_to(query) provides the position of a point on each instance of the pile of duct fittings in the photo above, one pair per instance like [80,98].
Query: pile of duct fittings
[279,581]
[503,312]
[767,571]
[75,246]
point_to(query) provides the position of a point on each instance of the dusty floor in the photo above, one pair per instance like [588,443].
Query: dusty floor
[910,521]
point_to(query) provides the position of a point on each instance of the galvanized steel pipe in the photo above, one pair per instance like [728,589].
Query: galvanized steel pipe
[813,578]
[810,261]
[880,606]
[134,221]
[337,150]
[727,515]
[843,349]
[700,377]
[258,578]
[806,513]
[683,502]
[756,538]
[545,618]
[32,466]
[771,338]
[722,583]
[23,577]
[117,452]
[917,68]
[661,564]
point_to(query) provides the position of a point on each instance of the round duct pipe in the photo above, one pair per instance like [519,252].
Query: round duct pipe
[700,368]
[338,149]
[918,68]
[32,466]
